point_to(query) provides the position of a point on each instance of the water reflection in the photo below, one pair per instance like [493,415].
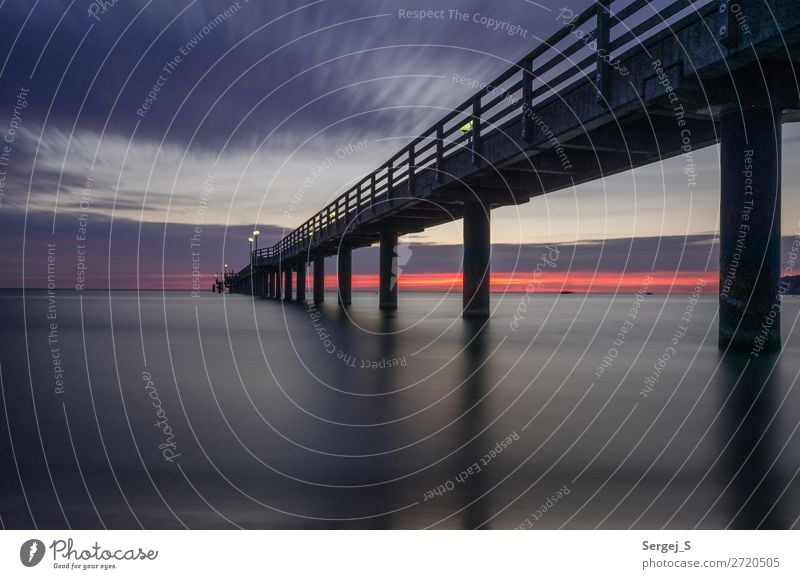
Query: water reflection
[756,466]
[475,364]
[317,440]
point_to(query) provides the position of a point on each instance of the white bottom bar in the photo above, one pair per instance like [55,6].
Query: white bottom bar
[389,554]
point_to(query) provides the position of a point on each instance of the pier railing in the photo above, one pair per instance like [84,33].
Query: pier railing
[587,46]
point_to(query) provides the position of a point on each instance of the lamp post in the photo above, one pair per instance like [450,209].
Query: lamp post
[256,233]
[251,240]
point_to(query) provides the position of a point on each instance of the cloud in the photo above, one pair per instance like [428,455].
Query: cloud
[125,253]
[227,65]
[266,95]
[119,253]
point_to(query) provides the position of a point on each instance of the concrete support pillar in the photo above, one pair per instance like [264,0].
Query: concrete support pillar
[345,275]
[477,254]
[270,284]
[287,282]
[301,280]
[750,224]
[278,284]
[388,271]
[319,278]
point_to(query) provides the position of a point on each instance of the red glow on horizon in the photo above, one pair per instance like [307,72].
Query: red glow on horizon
[548,282]
[520,281]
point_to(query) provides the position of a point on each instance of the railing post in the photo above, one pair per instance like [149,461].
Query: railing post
[603,32]
[729,31]
[389,179]
[527,100]
[411,174]
[476,130]
[439,152]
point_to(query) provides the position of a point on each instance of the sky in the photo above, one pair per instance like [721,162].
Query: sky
[140,133]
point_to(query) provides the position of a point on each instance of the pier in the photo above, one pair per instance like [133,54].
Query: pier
[647,87]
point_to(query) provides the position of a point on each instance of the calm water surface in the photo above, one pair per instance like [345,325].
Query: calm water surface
[126,410]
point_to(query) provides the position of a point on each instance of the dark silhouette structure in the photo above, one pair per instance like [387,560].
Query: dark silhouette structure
[619,86]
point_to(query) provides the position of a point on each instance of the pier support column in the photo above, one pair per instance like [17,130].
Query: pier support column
[345,275]
[287,282]
[388,271]
[750,223]
[319,278]
[477,255]
[301,280]
[278,283]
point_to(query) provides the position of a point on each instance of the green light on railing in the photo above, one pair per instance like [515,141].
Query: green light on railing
[467,127]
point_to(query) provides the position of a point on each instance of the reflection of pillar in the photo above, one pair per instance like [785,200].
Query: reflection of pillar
[388,271]
[319,278]
[757,455]
[473,426]
[287,281]
[477,253]
[749,307]
[345,274]
[301,279]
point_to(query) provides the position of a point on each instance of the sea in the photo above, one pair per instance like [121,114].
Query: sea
[171,410]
